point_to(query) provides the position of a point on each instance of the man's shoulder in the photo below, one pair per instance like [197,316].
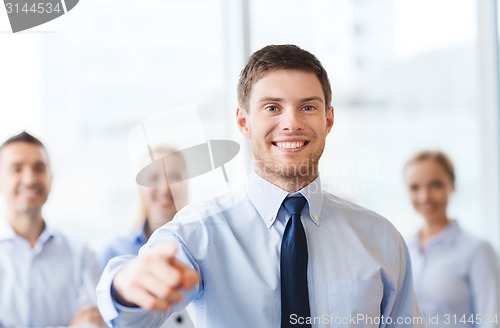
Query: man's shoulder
[68,240]
[357,217]
[211,208]
[343,206]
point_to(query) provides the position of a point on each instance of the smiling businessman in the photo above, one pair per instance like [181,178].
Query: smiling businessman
[48,278]
[281,252]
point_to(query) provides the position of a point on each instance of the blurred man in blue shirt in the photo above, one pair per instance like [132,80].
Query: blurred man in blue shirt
[48,279]
[232,258]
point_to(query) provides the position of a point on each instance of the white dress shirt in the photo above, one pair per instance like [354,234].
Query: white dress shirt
[359,273]
[46,285]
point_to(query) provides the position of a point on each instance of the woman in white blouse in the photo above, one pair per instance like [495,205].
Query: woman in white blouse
[455,273]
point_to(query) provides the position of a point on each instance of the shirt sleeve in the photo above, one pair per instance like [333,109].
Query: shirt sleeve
[484,281]
[400,306]
[88,278]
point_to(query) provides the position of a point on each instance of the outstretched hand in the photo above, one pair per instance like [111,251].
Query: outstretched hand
[153,281]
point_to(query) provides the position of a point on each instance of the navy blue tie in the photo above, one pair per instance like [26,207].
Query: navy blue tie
[294,291]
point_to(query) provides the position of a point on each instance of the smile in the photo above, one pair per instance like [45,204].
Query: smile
[290,144]
[29,193]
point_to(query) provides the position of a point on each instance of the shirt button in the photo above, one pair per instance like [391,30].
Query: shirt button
[315,217]
[269,218]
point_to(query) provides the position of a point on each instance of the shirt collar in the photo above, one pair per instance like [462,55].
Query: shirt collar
[8,233]
[446,236]
[140,234]
[47,234]
[267,198]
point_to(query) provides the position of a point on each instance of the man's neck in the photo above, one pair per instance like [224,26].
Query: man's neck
[28,225]
[290,184]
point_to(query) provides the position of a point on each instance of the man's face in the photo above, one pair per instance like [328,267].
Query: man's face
[286,123]
[25,177]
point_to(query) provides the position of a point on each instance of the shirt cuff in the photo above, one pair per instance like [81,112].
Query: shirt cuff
[110,309]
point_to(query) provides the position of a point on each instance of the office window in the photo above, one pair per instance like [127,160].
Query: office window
[96,73]
[404,75]
[419,90]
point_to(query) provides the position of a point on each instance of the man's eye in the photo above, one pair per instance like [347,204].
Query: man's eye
[154,177]
[271,109]
[39,169]
[16,169]
[436,184]
[308,108]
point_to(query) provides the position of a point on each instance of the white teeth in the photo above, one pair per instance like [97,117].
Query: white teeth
[290,145]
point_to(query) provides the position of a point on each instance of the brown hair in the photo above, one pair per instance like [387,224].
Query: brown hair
[23,137]
[437,156]
[276,57]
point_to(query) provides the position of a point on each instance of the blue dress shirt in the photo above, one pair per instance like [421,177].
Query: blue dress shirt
[456,278]
[359,273]
[44,285]
[123,245]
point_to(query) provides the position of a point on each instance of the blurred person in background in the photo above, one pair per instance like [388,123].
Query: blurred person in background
[455,274]
[48,279]
[166,193]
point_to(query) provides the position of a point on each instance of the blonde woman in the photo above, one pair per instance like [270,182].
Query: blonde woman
[165,194]
[455,274]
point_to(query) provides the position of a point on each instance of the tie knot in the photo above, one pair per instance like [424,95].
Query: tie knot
[294,205]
